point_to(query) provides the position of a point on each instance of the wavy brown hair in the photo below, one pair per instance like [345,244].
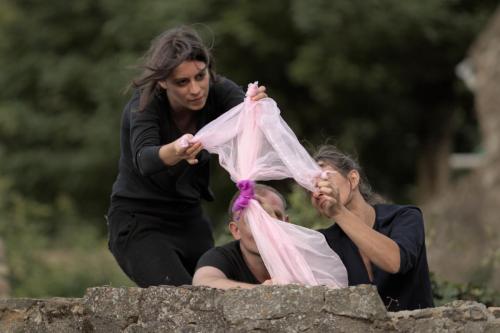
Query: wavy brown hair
[167,51]
[344,163]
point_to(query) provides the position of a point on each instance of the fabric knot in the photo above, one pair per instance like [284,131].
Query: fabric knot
[247,193]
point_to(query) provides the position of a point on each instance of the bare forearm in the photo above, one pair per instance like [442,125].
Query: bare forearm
[380,249]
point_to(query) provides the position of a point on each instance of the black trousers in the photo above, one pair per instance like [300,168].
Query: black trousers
[159,249]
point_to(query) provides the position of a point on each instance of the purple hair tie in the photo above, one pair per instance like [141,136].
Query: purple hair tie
[247,193]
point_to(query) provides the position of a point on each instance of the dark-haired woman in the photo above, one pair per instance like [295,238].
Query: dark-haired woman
[157,229]
[380,244]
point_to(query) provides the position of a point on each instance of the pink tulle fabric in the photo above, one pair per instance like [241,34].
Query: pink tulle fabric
[255,144]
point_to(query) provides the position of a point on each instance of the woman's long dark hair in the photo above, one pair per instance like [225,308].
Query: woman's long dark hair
[167,51]
[345,164]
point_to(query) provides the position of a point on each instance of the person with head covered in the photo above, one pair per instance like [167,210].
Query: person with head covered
[238,264]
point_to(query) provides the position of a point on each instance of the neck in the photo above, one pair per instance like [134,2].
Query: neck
[185,121]
[255,264]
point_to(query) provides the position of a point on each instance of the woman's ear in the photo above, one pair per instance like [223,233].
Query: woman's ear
[163,84]
[235,231]
[353,177]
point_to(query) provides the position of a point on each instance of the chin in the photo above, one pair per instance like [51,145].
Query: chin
[197,107]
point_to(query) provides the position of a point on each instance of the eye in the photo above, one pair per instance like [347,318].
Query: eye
[200,76]
[182,82]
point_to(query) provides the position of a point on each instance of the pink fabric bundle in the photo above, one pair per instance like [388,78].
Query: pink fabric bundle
[255,144]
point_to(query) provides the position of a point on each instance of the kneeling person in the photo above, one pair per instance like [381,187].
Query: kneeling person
[238,264]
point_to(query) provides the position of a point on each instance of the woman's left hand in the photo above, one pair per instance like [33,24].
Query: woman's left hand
[261,93]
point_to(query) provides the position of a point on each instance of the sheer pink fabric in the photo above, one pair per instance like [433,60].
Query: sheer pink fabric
[254,143]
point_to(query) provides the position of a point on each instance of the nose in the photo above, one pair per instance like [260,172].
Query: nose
[194,88]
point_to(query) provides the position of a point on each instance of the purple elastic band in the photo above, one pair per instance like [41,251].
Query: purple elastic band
[246,194]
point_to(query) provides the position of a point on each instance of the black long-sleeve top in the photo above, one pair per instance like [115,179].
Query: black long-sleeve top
[144,181]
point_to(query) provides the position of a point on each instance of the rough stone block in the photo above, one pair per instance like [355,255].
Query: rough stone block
[271,302]
[357,302]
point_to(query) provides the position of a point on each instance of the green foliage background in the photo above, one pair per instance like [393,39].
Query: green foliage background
[376,76]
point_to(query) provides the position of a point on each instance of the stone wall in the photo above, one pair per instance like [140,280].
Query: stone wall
[263,309]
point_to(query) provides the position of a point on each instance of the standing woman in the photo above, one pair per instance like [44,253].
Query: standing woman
[380,244]
[157,229]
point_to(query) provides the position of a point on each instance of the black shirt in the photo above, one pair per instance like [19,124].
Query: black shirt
[228,259]
[144,181]
[408,289]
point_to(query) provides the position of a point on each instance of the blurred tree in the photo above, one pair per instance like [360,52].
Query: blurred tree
[384,71]
[64,71]
[378,76]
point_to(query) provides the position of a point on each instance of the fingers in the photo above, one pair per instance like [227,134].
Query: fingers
[323,204]
[194,149]
[192,152]
[326,197]
[324,183]
[325,187]
[326,174]
[186,149]
[315,202]
[182,144]
[260,94]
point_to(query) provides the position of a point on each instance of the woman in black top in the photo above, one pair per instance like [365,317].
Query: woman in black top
[381,244]
[157,230]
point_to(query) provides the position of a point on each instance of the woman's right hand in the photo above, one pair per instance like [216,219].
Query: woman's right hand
[326,198]
[181,149]
[187,150]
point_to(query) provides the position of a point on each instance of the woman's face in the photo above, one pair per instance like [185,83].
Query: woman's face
[187,86]
[344,186]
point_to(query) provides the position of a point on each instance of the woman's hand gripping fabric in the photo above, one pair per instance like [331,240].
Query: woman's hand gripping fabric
[326,198]
[256,92]
[187,149]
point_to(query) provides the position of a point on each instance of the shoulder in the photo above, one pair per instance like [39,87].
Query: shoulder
[133,102]
[231,247]
[387,214]
[330,231]
[219,255]
[152,112]
[388,211]
[225,93]
[223,84]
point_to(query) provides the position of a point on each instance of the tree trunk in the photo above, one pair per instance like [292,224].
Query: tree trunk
[432,163]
